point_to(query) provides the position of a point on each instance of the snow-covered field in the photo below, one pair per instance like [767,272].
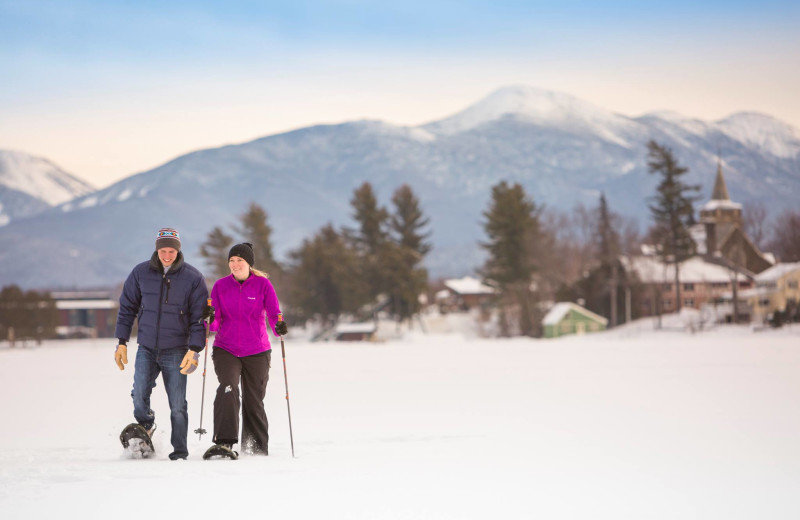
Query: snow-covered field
[629,424]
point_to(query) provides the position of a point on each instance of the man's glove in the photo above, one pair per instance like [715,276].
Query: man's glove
[281,328]
[208,314]
[190,361]
[121,356]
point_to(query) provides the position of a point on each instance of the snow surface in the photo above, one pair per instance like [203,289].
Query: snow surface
[626,424]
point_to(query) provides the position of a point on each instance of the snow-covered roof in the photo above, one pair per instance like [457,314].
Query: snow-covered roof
[711,205]
[84,304]
[468,285]
[443,294]
[744,294]
[777,271]
[364,328]
[80,295]
[561,309]
[693,270]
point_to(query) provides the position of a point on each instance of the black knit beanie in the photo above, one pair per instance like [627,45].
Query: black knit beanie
[243,251]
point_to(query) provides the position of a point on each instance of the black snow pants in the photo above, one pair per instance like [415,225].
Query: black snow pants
[253,371]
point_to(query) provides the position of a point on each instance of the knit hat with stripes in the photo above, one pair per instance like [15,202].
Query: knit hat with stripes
[168,237]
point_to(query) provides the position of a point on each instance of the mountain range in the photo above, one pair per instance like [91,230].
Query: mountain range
[561,149]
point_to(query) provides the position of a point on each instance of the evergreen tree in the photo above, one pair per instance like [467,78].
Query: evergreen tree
[408,221]
[215,251]
[370,239]
[404,255]
[672,210]
[512,227]
[325,280]
[371,234]
[255,229]
[608,249]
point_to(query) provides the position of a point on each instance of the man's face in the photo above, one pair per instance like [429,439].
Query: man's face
[167,255]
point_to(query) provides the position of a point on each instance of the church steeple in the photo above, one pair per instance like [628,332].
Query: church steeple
[720,189]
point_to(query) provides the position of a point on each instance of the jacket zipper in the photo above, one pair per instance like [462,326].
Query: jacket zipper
[241,285]
[166,300]
[158,318]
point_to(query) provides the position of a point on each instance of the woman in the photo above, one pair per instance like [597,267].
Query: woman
[241,305]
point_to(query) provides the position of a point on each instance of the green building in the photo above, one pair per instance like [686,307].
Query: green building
[570,318]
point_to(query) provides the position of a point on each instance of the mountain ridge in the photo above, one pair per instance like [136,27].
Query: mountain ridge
[305,178]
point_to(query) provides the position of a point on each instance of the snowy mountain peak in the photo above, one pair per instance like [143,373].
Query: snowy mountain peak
[537,106]
[763,132]
[39,178]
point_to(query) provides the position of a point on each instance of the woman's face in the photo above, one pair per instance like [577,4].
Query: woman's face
[239,268]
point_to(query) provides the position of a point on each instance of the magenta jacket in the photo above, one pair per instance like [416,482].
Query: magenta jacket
[241,314]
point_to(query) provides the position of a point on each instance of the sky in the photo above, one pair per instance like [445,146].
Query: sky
[107,89]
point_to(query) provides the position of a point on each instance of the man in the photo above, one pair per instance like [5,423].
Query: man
[168,296]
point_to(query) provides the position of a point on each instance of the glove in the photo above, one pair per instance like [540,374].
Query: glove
[208,314]
[190,361]
[121,356]
[281,328]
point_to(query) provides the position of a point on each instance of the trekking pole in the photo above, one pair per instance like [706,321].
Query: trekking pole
[200,430]
[286,381]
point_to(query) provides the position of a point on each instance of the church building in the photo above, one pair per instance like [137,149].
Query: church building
[727,260]
[720,234]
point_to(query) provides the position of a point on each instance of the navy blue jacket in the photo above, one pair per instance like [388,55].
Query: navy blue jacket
[169,306]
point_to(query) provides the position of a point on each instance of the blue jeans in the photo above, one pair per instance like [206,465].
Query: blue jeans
[149,363]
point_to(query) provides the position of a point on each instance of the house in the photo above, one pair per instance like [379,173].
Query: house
[702,282]
[570,318]
[85,314]
[463,294]
[776,290]
[356,331]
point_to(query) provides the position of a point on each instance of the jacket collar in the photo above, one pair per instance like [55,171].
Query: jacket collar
[235,281]
[155,263]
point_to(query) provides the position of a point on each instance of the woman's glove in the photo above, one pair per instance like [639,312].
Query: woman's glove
[281,328]
[208,314]
[190,361]
[121,356]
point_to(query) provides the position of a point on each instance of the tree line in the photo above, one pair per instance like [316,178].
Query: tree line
[534,255]
[375,265]
[26,315]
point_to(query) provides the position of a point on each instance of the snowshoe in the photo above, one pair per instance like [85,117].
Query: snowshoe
[220,451]
[136,440]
